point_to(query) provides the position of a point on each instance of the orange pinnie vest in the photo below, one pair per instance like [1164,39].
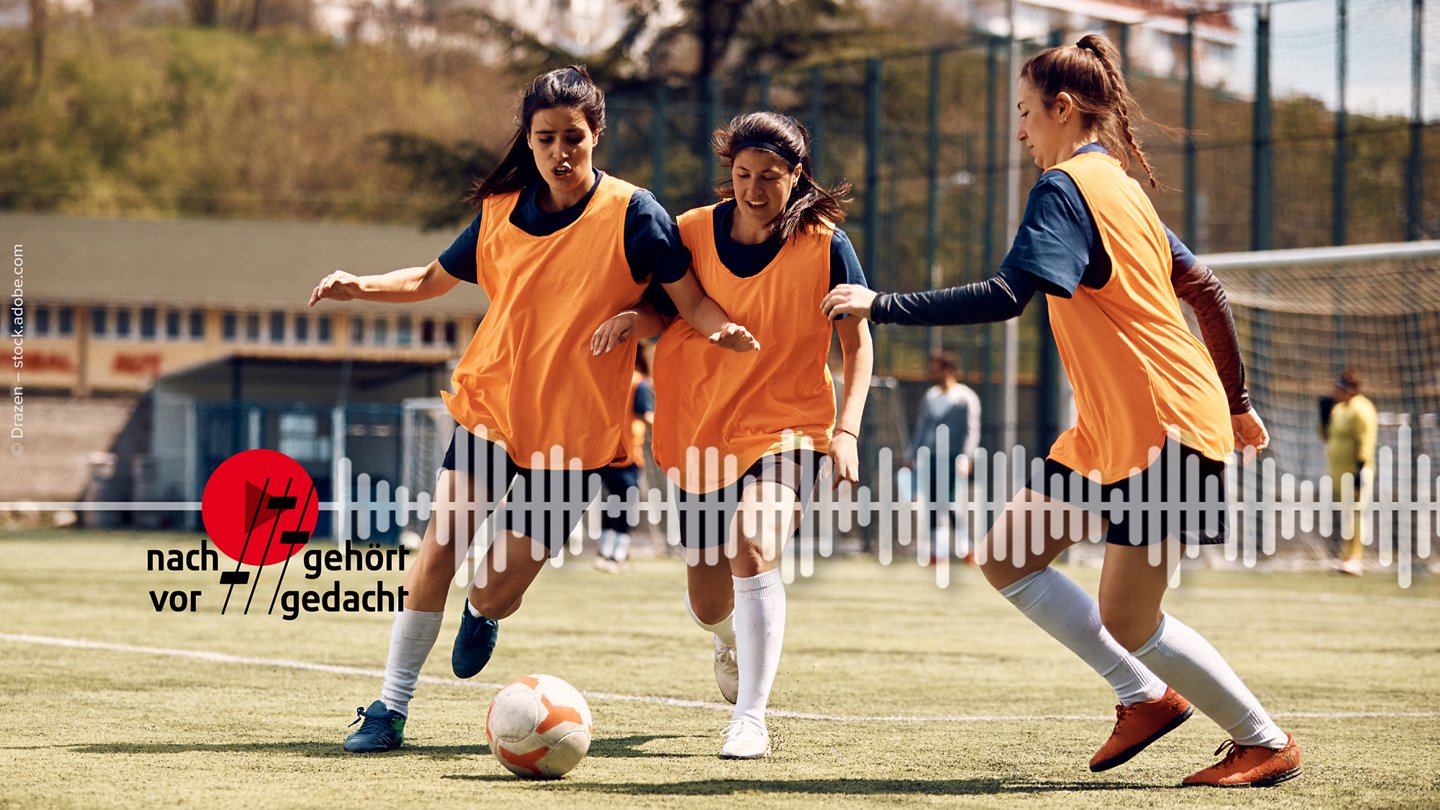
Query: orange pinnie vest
[750,404]
[528,378]
[1139,374]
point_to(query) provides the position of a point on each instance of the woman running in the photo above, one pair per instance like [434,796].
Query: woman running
[1157,416]
[554,239]
[742,435]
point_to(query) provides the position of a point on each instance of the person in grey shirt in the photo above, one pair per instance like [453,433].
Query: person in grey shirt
[947,431]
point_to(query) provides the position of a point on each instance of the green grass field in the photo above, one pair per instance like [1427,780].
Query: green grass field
[1351,667]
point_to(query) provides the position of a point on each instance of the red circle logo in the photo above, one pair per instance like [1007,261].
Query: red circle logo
[259,507]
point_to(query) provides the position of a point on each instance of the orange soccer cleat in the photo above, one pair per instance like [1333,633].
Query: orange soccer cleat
[1250,766]
[1138,725]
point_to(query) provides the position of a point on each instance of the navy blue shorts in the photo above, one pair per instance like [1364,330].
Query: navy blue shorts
[1181,494]
[705,518]
[623,483]
[544,505]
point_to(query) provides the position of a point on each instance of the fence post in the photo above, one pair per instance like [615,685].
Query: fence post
[932,192]
[1342,124]
[1192,191]
[1414,178]
[765,91]
[987,245]
[709,112]
[658,126]
[1262,236]
[817,120]
[872,170]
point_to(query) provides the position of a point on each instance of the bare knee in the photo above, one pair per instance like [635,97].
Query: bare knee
[495,605]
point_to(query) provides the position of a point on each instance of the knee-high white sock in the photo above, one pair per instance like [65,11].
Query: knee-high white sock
[1197,670]
[1065,611]
[607,544]
[759,633]
[620,551]
[725,628]
[411,638]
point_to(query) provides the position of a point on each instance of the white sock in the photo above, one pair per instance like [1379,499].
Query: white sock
[940,542]
[469,608]
[607,544]
[620,551]
[1065,611]
[725,628]
[1198,671]
[411,638]
[759,633]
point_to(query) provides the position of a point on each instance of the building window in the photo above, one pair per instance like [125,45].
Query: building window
[229,327]
[252,327]
[322,328]
[122,323]
[172,325]
[427,332]
[357,330]
[451,330]
[147,323]
[197,324]
[302,329]
[67,321]
[403,330]
[277,327]
[99,321]
[301,439]
[42,321]
[380,335]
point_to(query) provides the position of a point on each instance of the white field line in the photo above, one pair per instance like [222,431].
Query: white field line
[223,658]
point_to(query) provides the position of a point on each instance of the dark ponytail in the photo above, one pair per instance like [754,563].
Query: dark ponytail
[566,87]
[1090,72]
[811,205]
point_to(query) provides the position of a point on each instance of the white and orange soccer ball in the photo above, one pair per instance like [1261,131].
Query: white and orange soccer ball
[539,727]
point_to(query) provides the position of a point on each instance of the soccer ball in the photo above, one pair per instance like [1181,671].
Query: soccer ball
[538,727]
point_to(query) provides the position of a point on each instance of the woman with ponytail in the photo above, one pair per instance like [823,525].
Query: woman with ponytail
[537,414]
[1159,412]
[743,436]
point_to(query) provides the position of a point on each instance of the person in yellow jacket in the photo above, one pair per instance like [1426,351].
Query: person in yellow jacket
[1350,434]
[538,414]
[1158,413]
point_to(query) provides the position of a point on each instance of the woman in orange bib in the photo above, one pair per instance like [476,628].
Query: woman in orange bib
[742,436]
[1158,414]
[536,411]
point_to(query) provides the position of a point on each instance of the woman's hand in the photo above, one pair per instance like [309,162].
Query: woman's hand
[1250,434]
[736,338]
[338,286]
[848,299]
[613,332]
[845,459]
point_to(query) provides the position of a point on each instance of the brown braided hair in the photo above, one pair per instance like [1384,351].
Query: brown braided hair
[1090,72]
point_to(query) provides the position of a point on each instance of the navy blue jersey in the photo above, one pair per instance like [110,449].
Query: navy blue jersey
[644,403]
[652,242]
[747,260]
[1059,243]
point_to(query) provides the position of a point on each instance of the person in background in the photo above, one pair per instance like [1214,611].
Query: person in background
[622,477]
[1350,431]
[947,431]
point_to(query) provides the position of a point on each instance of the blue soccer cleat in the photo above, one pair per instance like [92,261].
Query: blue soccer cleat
[383,730]
[473,644]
